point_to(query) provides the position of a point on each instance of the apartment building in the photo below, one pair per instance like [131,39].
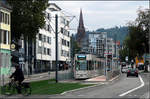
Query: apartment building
[5,37]
[45,42]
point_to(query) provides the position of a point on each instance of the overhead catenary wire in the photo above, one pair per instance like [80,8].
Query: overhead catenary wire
[51,22]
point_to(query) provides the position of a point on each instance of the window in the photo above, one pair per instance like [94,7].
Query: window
[8,19]
[61,52]
[40,37]
[44,38]
[62,41]
[68,43]
[65,42]
[48,28]
[39,50]
[62,30]
[5,37]
[45,51]
[5,18]
[49,51]
[0,16]
[0,36]
[47,39]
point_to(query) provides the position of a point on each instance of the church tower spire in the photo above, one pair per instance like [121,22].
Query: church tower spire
[81,24]
[81,31]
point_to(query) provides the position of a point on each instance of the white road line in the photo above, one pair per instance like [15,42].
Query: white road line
[142,84]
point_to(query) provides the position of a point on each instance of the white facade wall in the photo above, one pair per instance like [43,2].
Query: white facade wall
[51,34]
[110,46]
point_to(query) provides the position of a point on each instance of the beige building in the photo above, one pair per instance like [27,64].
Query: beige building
[5,38]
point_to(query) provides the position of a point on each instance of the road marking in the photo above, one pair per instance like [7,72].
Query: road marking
[142,84]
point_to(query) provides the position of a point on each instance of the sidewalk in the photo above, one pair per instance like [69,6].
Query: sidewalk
[99,78]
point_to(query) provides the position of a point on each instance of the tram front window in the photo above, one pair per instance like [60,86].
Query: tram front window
[81,65]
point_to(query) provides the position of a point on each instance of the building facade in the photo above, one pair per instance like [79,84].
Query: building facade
[104,47]
[5,38]
[45,42]
[96,44]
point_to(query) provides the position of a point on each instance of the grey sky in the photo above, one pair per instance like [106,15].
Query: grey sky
[102,14]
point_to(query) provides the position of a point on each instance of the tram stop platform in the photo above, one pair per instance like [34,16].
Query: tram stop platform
[98,78]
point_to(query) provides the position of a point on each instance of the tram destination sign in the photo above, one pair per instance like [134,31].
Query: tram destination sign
[81,57]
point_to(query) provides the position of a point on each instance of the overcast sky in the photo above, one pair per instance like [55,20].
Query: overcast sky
[102,14]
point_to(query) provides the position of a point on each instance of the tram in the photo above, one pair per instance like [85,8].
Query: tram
[87,66]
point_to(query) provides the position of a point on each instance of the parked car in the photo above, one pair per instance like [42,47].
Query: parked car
[124,69]
[132,72]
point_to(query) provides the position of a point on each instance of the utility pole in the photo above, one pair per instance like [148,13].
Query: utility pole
[56,34]
[106,54]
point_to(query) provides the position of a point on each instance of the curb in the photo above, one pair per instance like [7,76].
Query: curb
[81,88]
[114,78]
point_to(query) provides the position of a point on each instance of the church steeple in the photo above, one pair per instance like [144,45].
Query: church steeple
[81,31]
[81,25]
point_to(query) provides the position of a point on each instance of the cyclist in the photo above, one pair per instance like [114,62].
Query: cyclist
[18,77]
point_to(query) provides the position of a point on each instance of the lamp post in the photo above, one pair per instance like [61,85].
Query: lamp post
[56,40]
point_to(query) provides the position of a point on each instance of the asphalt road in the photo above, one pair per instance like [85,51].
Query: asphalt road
[114,89]
[108,90]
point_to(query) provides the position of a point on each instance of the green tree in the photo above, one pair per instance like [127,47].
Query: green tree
[74,46]
[137,39]
[27,17]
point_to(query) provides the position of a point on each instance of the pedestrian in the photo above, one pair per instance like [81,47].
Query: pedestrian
[18,78]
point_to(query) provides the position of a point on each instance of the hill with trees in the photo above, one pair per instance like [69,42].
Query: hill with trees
[117,33]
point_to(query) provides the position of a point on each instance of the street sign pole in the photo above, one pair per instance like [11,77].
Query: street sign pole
[56,28]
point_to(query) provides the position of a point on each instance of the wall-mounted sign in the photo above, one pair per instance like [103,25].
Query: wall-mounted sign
[12,46]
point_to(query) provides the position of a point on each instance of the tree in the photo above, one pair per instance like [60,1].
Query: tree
[144,22]
[27,17]
[137,39]
[74,46]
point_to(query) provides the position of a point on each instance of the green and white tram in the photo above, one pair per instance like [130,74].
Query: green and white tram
[87,66]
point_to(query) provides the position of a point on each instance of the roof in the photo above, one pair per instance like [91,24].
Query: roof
[55,6]
[5,5]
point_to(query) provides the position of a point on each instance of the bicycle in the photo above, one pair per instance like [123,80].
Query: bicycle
[11,88]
